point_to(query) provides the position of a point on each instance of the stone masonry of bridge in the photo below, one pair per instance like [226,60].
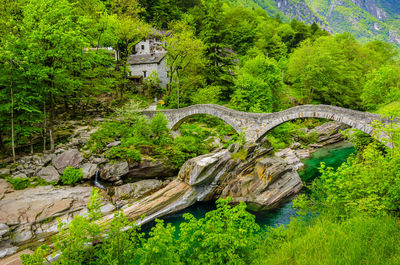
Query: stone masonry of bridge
[256,125]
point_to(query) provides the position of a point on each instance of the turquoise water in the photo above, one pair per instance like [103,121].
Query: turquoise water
[333,156]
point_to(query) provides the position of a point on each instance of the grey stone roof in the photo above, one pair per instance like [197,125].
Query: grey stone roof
[146,58]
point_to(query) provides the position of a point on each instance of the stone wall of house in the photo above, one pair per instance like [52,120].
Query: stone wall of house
[161,69]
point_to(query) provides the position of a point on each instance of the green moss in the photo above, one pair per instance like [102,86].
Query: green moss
[241,154]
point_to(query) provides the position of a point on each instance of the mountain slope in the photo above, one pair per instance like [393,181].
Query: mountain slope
[365,19]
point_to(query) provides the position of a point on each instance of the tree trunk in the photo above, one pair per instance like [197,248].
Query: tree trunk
[31,144]
[51,123]
[177,75]
[44,124]
[12,109]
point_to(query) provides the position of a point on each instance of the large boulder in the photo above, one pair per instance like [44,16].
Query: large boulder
[49,174]
[4,230]
[5,172]
[291,158]
[329,133]
[43,160]
[89,170]
[204,169]
[138,189]
[32,211]
[266,185]
[114,172]
[150,169]
[7,250]
[69,158]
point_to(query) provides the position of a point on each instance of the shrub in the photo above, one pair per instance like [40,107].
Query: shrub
[159,128]
[121,152]
[19,183]
[71,175]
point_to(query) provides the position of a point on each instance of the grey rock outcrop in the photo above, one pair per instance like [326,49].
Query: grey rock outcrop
[291,157]
[33,211]
[9,250]
[265,186]
[106,209]
[88,170]
[329,133]
[19,175]
[49,174]
[4,231]
[204,169]
[114,172]
[116,143]
[149,169]
[137,189]
[69,158]
[5,171]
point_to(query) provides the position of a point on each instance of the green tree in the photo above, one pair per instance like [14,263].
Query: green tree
[225,236]
[219,64]
[320,72]
[258,87]
[185,59]
[382,87]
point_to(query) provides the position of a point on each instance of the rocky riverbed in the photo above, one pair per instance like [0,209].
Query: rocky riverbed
[253,174]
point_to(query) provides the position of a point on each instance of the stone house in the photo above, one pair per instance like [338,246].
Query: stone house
[149,56]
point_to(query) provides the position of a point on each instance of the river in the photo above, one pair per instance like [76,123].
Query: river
[333,155]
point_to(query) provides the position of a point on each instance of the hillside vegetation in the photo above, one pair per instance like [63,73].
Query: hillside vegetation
[366,20]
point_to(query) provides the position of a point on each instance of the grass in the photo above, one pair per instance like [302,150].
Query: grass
[358,240]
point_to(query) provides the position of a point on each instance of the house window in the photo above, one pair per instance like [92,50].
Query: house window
[142,47]
[144,74]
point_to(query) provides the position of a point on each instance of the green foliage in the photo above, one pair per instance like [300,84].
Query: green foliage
[23,183]
[382,87]
[159,128]
[124,153]
[120,245]
[358,138]
[227,235]
[390,110]
[161,246]
[19,183]
[71,175]
[94,204]
[258,87]
[207,95]
[241,154]
[367,184]
[358,240]
[38,256]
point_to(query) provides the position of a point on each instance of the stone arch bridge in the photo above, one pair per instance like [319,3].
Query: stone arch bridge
[256,125]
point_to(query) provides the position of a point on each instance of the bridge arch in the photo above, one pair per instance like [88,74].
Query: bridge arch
[341,118]
[178,123]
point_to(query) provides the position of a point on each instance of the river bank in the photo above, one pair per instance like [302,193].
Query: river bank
[274,181]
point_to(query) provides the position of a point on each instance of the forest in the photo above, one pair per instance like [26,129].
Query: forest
[57,64]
